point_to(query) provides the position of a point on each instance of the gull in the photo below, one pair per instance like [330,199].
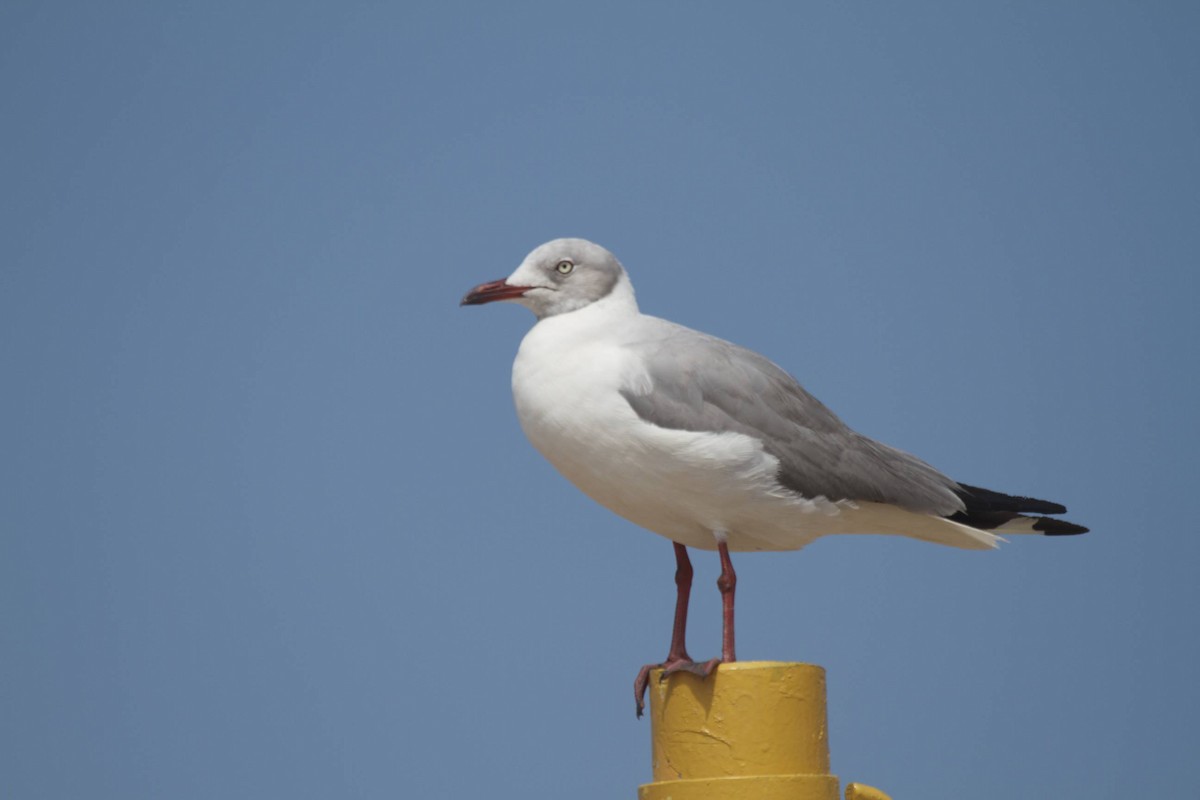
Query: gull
[712,445]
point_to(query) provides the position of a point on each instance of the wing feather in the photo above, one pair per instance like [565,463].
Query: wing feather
[704,384]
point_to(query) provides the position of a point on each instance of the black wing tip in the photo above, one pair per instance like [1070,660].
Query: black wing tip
[989,510]
[977,499]
[1058,527]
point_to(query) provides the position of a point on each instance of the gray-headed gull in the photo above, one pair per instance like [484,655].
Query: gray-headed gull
[709,444]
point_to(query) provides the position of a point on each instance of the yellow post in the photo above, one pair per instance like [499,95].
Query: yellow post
[753,729]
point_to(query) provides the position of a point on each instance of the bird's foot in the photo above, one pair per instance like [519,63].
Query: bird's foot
[668,667]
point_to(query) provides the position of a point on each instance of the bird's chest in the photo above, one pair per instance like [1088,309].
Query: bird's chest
[567,399]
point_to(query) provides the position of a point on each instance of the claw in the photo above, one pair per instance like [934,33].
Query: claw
[702,670]
[642,682]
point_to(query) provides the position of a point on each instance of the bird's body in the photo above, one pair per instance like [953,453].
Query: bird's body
[572,380]
[709,444]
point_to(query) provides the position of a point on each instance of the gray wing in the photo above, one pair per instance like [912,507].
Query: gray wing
[704,384]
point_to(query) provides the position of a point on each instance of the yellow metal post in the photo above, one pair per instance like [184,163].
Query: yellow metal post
[753,730]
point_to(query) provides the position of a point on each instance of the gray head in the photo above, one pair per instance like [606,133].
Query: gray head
[560,276]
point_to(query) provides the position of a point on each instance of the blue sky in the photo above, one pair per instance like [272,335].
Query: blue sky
[270,528]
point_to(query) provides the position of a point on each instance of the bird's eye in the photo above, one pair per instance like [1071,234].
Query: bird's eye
[564,267]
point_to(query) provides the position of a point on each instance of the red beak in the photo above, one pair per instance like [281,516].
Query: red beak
[489,292]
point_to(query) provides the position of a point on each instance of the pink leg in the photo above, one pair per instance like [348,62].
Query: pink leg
[727,583]
[678,659]
[683,591]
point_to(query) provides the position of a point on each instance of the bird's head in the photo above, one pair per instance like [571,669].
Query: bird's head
[560,276]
